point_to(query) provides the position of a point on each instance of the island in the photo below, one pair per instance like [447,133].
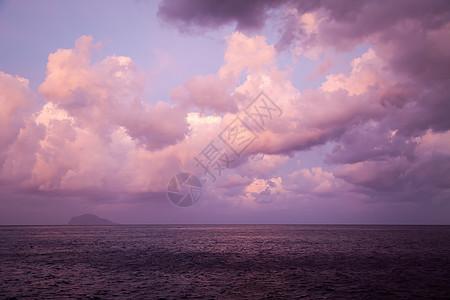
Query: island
[90,219]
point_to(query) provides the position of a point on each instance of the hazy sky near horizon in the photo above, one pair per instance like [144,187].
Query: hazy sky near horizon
[103,102]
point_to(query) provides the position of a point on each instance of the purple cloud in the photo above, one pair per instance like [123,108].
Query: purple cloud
[248,15]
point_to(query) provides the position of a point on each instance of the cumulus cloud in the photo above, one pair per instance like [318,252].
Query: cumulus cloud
[382,114]
[386,117]
[19,135]
[264,191]
[17,102]
[373,113]
[95,132]
[215,91]
[106,94]
[263,165]
[315,181]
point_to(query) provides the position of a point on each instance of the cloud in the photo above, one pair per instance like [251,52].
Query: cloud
[263,191]
[410,35]
[17,103]
[345,24]
[263,166]
[215,91]
[94,133]
[313,182]
[364,75]
[378,175]
[374,114]
[206,92]
[247,15]
[385,118]
[19,135]
[107,94]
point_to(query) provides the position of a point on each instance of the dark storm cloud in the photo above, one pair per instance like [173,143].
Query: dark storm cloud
[250,14]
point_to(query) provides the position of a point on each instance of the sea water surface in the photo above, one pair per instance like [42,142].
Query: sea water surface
[225,262]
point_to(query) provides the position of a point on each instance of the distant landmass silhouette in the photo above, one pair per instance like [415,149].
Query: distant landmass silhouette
[89,219]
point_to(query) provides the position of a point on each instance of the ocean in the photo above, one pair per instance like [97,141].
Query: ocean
[225,262]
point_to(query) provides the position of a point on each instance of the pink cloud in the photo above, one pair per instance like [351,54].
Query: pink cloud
[19,135]
[94,133]
[208,91]
[107,94]
[17,102]
[311,184]
[387,116]
[216,91]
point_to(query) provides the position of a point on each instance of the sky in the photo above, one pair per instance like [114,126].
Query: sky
[308,112]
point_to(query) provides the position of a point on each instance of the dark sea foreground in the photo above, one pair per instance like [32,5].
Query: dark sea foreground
[223,261]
